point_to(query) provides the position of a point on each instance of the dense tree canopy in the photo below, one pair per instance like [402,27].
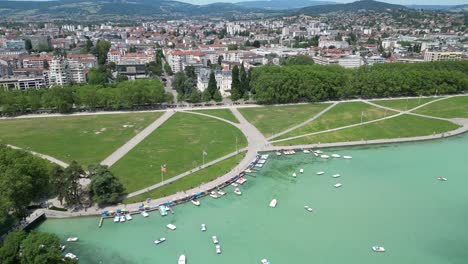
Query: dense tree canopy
[298,60]
[296,83]
[105,187]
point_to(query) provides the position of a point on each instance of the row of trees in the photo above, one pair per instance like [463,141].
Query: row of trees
[311,83]
[240,86]
[123,95]
[20,247]
[185,83]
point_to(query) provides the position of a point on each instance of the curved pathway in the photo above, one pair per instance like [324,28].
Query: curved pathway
[43,156]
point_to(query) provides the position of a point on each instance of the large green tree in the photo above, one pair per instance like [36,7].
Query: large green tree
[235,85]
[10,250]
[212,85]
[105,187]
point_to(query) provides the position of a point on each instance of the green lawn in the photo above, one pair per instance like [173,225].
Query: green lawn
[179,143]
[404,104]
[74,137]
[448,108]
[191,181]
[274,119]
[400,126]
[223,113]
[343,114]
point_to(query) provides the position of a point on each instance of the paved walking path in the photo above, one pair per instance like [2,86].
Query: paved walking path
[305,122]
[43,156]
[129,145]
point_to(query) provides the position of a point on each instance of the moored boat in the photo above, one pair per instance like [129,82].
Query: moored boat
[182,259]
[218,249]
[71,256]
[320,172]
[335,155]
[72,239]
[301,170]
[273,203]
[347,157]
[122,218]
[265,261]
[163,210]
[128,217]
[336,175]
[159,241]
[237,191]
[306,151]
[294,174]
[171,226]
[241,180]
[214,195]
[203,227]
[308,208]
[195,202]
[215,239]
[338,185]
[324,156]
[116,219]
[221,193]
[442,179]
[144,214]
[378,249]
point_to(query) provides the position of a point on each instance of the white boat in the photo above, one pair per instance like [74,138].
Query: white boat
[62,247]
[265,261]
[214,195]
[338,185]
[301,170]
[181,259]
[336,175]
[278,153]
[335,155]
[72,239]
[163,210]
[442,179]
[237,191]
[122,218]
[316,154]
[234,184]
[218,249]
[318,151]
[378,249]
[159,241]
[116,219]
[347,157]
[294,174]
[241,180]
[196,202]
[144,214]
[171,226]
[128,217]
[273,203]
[320,172]
[308,208]
[221,193]
[203,227]
[215,239]
[71,256]
[306,151]
[324,156]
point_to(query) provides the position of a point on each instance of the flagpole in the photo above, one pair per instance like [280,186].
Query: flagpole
[203,157]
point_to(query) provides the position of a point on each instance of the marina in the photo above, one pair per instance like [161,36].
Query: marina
[366,223]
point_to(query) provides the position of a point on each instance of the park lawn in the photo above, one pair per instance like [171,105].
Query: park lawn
[397,127]
[448,108]
[274,119]
[222,113]
[404,104]
[191,181]
[342,114]
[74,137]
[178,143]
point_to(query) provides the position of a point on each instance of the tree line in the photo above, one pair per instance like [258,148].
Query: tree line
[185,83]
[123,95]
[312,83]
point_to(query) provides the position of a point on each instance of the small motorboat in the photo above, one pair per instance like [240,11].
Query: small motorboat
[347,157]
[122,218]
[163,210]
[181,259]
[221,193]
[336,175]
[128,217]
[273,203]
[320,172]
[214,195]
[378,249]
[203,227]
[335,155]
[116,219]
[308,208]
[241,180]
[324,156]
[294,174]
[62,247]
[301,170]
[234,184]
[278,153]
[237,191]
[215,239]
[318,151]
[338,185]
[171,226]
[306,151]
[159,241]
[71,256]
[72,239]
[316,154]
[218,249]
[265,261]
[144,214]
[441,179]
[195,202]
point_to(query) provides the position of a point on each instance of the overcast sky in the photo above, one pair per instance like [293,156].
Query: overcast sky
[400,2]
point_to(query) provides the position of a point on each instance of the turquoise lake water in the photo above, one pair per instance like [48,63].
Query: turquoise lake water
[390,197]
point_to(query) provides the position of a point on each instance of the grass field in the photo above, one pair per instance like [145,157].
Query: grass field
[448,108]
[274,119]
[223,113]
[398,127]
[191,181]
[74,137]
[178,143]
[342,114]
[404,104]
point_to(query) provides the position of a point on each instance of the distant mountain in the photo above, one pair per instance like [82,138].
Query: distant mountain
[115,9]
[430,7]
[283,4]
[351,7]
[459,8]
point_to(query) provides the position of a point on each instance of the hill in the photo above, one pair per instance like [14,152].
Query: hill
[282,4]
[459,8]
[369,5]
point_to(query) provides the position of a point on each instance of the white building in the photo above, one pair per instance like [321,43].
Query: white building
[58,72]
[76,71]
[352,61]
[442,56]
[223,80]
